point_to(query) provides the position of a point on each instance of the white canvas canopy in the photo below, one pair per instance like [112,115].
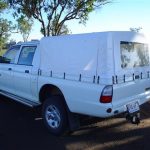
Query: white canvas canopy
[89,55]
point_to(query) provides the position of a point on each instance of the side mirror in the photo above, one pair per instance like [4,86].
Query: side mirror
[4,60]
[1,59]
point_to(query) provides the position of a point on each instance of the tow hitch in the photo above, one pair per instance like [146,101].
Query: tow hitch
[134,118]
[133,112]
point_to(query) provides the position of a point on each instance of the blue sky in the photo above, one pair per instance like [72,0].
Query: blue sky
[117,16]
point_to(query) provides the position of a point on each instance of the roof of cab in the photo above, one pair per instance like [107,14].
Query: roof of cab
[33,42]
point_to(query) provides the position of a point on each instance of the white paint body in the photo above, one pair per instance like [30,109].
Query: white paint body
[88,55]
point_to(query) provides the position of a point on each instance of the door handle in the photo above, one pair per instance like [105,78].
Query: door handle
[9,69]
[26,71]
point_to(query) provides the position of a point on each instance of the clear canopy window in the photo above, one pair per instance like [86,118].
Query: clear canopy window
[134,54]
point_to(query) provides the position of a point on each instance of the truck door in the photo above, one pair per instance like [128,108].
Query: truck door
[6,67]
[23,72]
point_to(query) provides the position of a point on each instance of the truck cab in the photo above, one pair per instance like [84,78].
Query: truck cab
[17,74]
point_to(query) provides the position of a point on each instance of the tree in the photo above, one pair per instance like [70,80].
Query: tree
[53,14]
[24,26]
[136,29]
[3,5]
[5,28]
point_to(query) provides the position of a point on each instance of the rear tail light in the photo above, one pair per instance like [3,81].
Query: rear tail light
[107,93]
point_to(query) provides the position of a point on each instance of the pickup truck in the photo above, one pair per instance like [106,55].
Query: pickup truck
[96,74]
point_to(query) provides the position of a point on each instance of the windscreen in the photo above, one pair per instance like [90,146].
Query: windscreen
[134,54]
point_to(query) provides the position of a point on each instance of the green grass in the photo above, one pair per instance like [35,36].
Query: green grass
[2,52]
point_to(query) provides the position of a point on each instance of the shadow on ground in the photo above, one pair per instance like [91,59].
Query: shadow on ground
[21,128]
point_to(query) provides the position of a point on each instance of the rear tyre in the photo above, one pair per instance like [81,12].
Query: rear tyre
[55,115]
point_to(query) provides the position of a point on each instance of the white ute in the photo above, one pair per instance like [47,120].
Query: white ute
[97,74]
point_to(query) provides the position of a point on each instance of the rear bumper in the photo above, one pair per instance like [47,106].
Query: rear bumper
[102,110]
[121,108]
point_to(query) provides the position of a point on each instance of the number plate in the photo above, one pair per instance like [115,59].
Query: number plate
[133,107]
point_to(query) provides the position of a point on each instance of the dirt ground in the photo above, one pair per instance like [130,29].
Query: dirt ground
[21,128]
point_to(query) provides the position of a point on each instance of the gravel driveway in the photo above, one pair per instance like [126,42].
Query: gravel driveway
[21,128]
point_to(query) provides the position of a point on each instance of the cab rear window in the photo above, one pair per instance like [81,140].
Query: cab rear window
[26,55]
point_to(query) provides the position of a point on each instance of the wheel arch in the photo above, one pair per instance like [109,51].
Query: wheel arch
[50,90]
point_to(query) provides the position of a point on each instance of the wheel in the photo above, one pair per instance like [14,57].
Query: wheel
[55,115]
